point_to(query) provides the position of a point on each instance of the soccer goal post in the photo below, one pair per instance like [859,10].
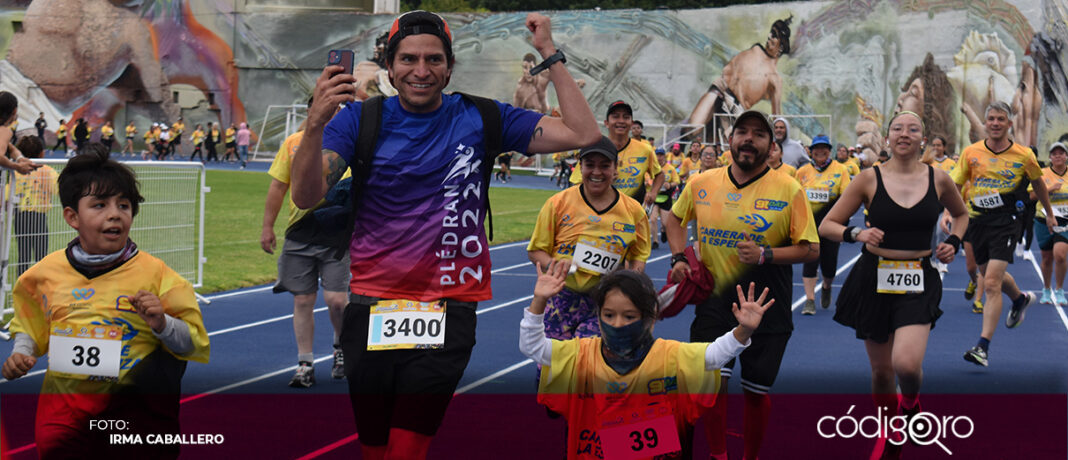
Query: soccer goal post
[665,135]
[802,127]
[279,121]
[169,224]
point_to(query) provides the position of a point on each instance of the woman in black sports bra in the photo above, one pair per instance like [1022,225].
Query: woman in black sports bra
[891,296]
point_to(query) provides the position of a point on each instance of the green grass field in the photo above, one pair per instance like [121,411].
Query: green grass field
[234,215]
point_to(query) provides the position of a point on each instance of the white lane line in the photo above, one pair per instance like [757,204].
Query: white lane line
[506,304]
[509,245]
[267,288]
[1058,308]
[31,374]
[492,376]
[524,264]
[237,293]
[210,334]
[259,323]
[251,380]
[819,285]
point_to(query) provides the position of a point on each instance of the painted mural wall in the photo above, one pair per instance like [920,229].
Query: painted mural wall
[851,64]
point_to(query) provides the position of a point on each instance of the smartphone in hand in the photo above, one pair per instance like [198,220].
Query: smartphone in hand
[343,58]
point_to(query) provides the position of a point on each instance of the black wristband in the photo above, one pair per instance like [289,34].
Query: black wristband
[952,240]
[548,62]
[676,258]
[847,235]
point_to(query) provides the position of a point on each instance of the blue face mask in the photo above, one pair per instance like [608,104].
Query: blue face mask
[624,348]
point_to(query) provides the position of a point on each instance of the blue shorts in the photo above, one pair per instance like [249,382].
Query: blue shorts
[1044,239]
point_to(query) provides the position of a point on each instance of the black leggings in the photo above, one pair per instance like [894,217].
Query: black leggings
[827,263]
[212,154]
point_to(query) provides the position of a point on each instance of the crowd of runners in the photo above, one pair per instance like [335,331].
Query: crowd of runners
[387,210]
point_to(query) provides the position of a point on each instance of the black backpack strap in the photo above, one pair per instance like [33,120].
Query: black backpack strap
[360,167]
[492,140]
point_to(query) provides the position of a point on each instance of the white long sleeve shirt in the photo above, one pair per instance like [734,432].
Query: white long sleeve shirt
[534,345]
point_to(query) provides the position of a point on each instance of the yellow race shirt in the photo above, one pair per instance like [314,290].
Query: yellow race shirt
[131,130]
[198,136]
[280,170]
[671,177]
[635,161]
[851,165]
[689,168]
[177,128]
[725,158]
[787,169]
[61,131]
[676,160]
[823,188]
[771,210]
[35,190]
[53,292]
[230,135]
[567,224]
[670,388]
[1058,199]
[106,132]
[987,175]
[946,164]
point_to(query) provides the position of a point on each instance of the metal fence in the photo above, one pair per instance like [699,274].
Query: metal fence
[169,224]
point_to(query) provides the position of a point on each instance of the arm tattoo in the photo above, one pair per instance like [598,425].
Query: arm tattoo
[537,132]
[335,167]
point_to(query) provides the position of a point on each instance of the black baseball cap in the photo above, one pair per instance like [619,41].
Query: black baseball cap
[604,147]
[617,105]
[756,114]
[415,23]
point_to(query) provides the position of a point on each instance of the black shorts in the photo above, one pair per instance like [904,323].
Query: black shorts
[993,237]
[760,361]
[177,140]
[408,389]
[231,145]
[875,316]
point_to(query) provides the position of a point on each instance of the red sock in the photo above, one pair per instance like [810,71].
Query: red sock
[405,444]
[757,410]
[716,426]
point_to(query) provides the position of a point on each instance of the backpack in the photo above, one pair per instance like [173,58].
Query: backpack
[367,138]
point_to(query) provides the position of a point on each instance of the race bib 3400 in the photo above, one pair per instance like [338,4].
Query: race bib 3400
[406,324]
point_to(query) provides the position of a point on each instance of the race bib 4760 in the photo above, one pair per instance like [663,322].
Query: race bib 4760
[406,324]
[900,277]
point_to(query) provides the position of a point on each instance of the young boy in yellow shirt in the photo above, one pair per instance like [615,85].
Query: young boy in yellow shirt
[118,325]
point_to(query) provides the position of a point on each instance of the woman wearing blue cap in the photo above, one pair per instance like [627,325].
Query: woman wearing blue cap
[824,181]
